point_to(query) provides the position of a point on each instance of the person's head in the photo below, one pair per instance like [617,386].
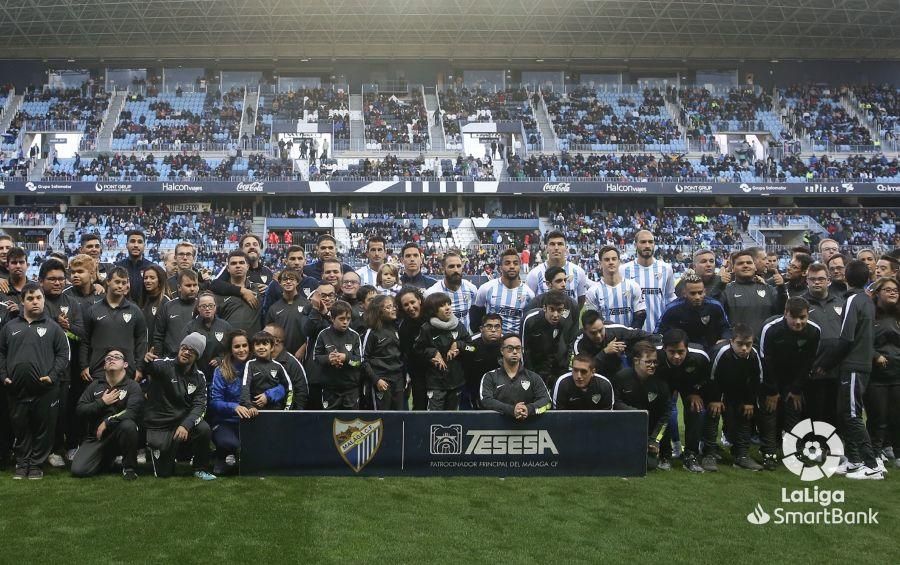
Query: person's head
[90,245]
[887,266]
[237,347]
[191,348]
[409,302]
[511,349]
[277,333]
[609,260]
[154,280]
[16,263]
[206,306]
[365,294]
[796,313]
[837,267]
[438,305]
[491,328]
[675,346]
[828,248]
[583,367]
[32,300]
[857,274]
[743,263]
[185,253]
[555,303]
[510,265]
[6,243]
[341,314]
[694,290]
[884,294]
[593,327]
[741,340]
[817,280]
[251,244]
[644,244]
[237,264]
[387,276]
[349,284]
[376,249]
[643,359]
[53,277]
[556,278]
[289,279]
[453,269]
[800,249]
[704,263]
[82,267]
[327,293]
[117,283]
[331,272]
[326,247]
[868,257]
[167,260]
[296,258]
[412,259]
[188,285]
[771,262]
[557,250]
[114,363]
[381,311]
[135,243]
[796,270]
[759,260]
[262,343]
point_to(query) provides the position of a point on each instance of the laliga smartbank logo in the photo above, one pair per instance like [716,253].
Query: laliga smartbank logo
[812,451]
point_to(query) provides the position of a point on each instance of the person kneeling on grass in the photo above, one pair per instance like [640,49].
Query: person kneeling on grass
[440,341]
[266,383]
[176,401]
[225,410]
[512,389]
[112,408]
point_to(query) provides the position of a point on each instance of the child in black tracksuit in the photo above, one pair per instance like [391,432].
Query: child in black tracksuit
[735,381]
[266,384]
[338,355]
[440,341]
[382,358]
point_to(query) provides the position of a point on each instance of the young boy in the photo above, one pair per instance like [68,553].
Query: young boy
[338,354]
[266,384]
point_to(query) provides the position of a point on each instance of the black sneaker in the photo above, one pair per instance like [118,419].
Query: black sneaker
[664,464]
[129,475]
[709,463]
[35,474]
[689,462]
[747,463]
[21,473]
[770,462]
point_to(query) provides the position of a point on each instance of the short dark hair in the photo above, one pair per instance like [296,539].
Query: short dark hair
[805,260]
[50,265]
[589,318]
[840,256]
[409,245]
[236,253]
[641,348]
[857,274]
[492,316]
[325,237]
[555,298]
[262,337]
[816,267]
[289,274]
[675,337]
[295,249]
[749,252]
[585,358]
[364,291]
[433,302]
[375,239]
[551,272]
[741,331]
[796,305]
[30,288]
[90,237]
[451,253]
[187,274]
[606,249]
[15,253]
[131,233]
[248,235]
[555,234]
[120,272]
[340,308]
[509,335]
[507,252]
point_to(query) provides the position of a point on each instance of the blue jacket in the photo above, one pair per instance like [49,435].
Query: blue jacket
[224,397]
[136,276]
[704,325]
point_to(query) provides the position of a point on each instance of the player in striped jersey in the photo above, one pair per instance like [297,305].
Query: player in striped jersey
[557,252]
[618,300]
[461,292]
[506,296]
[375,252]
[655,277]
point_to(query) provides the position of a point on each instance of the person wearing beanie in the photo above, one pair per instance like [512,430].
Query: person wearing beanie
[176,403]
[440,342]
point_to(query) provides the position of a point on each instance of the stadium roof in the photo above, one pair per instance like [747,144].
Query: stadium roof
[450,29]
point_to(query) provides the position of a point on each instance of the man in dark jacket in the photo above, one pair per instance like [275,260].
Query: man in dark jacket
[481,355]
[582,388]
[704,320]
[176,403]
[211,327]
[512,389]
[606,343]
[826,310]
[34,357]
[747,300]
[111,407]
[705,267]
[135,264]
[545,348]
[175,315]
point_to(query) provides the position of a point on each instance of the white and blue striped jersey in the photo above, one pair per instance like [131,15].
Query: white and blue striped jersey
[388,291]
[576,285]
[616,304]
[657,284]
[462,298]
[367,275]
[497,298]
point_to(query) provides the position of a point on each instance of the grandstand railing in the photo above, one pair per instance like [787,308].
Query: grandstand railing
[36,220]
[621,147]
[48,124]
[828,147]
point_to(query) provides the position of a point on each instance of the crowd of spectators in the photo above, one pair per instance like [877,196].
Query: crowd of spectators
[816,112]
[392,122]
[626,166]
[854,167]
[478,105]
[312,105]
[862,226]
[704,113]
[882,104]
[175,166]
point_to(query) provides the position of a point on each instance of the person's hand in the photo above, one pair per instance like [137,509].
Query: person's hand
[260,400]
[86,375]
[245,413]
[881,361]
[181,434]
[100,429]
[795,400]
[150,356]
[110,397]
[46,380]
[696,403]
[249,297]
[382,385]
[7,381]
[453,352]
[747,410]
[63,321]
[98,289]
[771,403]
[725,275]
[138,376]
[778,279]
[520,411]
[615,347]
[714,408]
[438,362]
[214,363]
[12,308]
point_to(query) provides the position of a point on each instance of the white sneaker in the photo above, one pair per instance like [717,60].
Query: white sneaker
[118,460]
[56,460]
[866,473]
[879,466]
[142,457]
[70,455]
[230,460]
[724,441]
[847,467]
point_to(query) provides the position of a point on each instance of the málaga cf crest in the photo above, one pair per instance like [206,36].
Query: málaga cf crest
[357,441]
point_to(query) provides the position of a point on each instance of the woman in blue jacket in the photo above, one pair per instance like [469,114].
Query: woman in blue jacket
[225,408]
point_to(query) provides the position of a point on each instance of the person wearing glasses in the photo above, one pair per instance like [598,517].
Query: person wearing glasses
[317,318]
[883,395]
[287,312]
[214,329]
[828,248]
[481,355]
[837,268]
[512,389]
[826,308]
[111,408]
